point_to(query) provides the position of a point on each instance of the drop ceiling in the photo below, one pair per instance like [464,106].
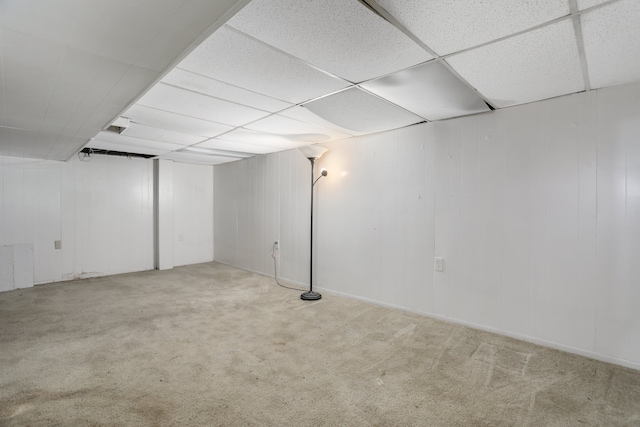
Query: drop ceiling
[213,82]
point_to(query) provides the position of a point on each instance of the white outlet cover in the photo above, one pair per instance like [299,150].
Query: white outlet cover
[438,264]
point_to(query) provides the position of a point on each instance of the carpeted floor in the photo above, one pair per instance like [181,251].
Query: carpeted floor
[213,345]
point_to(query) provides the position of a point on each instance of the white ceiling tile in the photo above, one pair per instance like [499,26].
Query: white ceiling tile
[158,134]
[532,66]
[26,112]
[133,143]
[30,64]
[271,140]
[303,114]
[202,159]
[169,98]
[219,144]
[342,37]
[449,26]
[19,142]
[66,148]
[176,122]
[241,61]
[429,90]
[47,20]
[611,43]
[294,130]
[585,4]
[197,83]
[360,111]
[122,29]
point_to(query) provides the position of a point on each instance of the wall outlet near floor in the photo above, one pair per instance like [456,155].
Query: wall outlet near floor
[57,244]
[438,264]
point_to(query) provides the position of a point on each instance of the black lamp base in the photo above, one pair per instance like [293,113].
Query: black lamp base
[310,296]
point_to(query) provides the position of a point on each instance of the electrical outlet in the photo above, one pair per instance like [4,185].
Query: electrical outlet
[438,264]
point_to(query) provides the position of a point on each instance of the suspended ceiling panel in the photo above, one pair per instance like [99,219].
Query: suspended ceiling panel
[294,130]
[219,144]
[585,4]
[162,135]
[267,140]
[361,111]
[285,73]
[430,91]
[109,141]
[173,121]
[532,66]
[200,159]
[303,114]
[239,60]
[208,86]
[71,67]
[341,37]
[194,104]
[449,26]
[612,56]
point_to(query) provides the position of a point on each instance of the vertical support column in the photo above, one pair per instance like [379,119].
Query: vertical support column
[163,213]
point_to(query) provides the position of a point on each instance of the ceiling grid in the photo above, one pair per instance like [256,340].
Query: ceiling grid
[212,83]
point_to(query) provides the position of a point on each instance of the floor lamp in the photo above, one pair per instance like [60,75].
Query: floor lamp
[312,152]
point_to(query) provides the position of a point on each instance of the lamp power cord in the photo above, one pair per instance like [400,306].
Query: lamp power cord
[275,269]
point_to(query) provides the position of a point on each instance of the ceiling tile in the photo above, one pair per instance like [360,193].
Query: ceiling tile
[169,98]
[294,130]
[30,64]
[585,4]
[272,140]
[202,159]
[429,90]
[176,122]
[127,143]
[192,21]
[361,111]
[236,59]
[613,55]
[197,83]
[449,26]
[158,134]
[342,37]
[532,66]
[26,112]
[19,142]
[50,21]
[219,144]
[303,114]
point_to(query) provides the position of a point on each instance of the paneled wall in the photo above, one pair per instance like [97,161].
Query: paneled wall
[258,201]
[30,197]
[535,210]
[100,210]
[192,213]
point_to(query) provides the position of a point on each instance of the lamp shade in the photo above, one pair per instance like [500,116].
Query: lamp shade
[313,151]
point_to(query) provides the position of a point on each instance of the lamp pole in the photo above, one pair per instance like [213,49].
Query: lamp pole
[310,295]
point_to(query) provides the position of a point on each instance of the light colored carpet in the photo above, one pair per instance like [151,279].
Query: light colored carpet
[212,345]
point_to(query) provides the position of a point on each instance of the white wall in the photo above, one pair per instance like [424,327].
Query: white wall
[192,213]
[535,209]
[258,201]
[101,210]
